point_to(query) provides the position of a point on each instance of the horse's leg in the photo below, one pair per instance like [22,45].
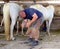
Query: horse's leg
[12,28]
[48,23]
[14,11]
[48,27]
[13,16]
[22,31]
[17,27]
[2,22]
[22,27]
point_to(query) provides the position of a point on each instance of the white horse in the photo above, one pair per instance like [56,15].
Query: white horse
[13,10]
[48,13]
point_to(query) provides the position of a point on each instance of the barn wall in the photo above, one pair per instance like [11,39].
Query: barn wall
[55,24]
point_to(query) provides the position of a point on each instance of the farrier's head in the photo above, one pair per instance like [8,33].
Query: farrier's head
[22,14]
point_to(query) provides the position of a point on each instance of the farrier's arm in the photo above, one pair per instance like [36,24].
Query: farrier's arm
[33,20]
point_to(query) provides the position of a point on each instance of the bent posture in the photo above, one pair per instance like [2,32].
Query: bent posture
[37,14]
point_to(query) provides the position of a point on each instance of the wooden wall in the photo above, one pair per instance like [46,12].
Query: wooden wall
[56,21]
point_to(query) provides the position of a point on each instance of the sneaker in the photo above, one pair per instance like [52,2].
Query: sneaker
[34,43]
[28,41]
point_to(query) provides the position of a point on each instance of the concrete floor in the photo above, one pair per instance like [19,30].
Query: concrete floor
[46,43]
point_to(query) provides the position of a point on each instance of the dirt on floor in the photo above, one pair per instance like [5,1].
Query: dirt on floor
[52,42]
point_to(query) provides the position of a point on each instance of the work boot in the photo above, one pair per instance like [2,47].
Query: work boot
[34,43]
[28,41]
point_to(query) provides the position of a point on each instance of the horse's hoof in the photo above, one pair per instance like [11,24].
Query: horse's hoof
[13,38]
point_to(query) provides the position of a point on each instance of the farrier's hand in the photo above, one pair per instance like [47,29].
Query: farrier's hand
[35,17]
[24,23]
[28,24]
